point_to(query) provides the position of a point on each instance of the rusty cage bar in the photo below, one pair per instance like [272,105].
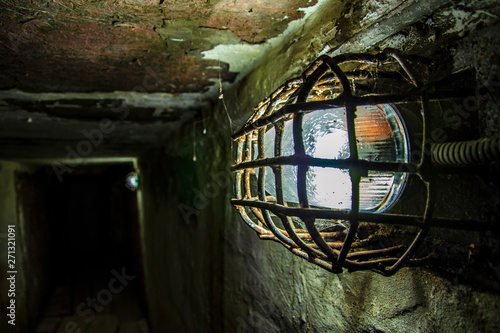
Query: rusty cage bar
[322,86]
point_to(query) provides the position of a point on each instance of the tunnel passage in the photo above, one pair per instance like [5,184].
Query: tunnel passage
[83,245]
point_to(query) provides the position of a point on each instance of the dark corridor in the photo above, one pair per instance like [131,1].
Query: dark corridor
[93,253]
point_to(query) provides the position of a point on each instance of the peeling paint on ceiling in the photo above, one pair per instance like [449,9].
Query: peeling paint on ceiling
[242,57]
[147,46]
[68,63]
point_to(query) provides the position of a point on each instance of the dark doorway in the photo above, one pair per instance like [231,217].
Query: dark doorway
[94,252]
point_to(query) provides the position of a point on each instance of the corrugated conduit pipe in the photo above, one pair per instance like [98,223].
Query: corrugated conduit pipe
[466,152]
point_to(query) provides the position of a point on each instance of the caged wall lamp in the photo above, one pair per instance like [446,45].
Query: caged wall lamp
[324,159]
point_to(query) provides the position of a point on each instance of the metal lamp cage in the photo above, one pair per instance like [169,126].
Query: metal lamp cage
[347,81]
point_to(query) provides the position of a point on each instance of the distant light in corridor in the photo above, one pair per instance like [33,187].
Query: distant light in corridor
[132,181]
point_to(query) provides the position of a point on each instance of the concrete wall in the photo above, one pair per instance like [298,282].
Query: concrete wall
[22,204]
[183,249]
[207,271]
[8,213]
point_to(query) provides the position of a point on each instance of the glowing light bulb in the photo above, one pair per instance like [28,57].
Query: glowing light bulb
[380,135]
[132,181]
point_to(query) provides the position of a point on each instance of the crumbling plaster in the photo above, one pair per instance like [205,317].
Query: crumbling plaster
[66,60]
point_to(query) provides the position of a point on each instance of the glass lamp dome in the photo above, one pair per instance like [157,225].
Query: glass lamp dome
[323,160]
[381,136]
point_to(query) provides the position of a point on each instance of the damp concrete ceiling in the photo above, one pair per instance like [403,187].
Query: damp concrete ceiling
[67,61]
[109,45]
[150,66]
